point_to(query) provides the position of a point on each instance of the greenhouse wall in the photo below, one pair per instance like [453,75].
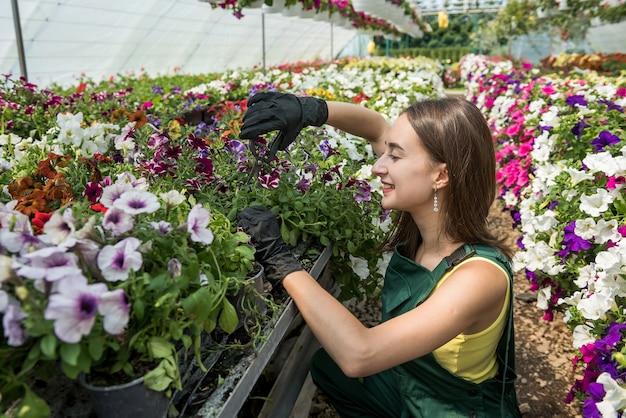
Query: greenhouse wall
[65,40]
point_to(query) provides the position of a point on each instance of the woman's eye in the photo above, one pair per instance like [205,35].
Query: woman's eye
[392,157]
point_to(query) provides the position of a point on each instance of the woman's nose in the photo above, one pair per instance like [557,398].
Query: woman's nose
[379,167]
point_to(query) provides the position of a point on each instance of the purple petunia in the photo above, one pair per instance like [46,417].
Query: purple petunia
[576,100]
[573,242]
[605,139]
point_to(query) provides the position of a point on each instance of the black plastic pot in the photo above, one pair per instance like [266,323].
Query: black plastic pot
[129,400]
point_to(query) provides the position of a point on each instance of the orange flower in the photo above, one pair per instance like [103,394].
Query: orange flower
[139,117]
[118,114]
[57,189]
[32,203]
[47,167]
[23,186]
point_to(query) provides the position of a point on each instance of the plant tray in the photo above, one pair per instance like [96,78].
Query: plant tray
[242,369]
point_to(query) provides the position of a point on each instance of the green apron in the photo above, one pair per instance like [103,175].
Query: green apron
[421,387]
[428,389]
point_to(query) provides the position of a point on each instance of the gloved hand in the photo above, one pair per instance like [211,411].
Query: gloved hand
[282,112]
[271,250]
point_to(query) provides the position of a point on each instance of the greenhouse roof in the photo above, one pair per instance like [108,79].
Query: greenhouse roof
[66,40]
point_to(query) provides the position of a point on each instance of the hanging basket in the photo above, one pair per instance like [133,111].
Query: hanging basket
[276,7]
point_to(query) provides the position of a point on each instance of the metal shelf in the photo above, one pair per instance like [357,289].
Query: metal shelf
[229,397]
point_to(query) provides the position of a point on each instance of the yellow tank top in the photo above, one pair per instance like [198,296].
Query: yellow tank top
[473,357]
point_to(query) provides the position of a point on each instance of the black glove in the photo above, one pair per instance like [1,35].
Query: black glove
[271,250]
[282,112]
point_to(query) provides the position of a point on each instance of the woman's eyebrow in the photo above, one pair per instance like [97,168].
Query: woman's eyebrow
[395,145]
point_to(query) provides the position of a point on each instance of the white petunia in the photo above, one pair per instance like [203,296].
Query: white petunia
[615,398]
[582,336]
[597,203]
[172,198]
[136,202]
[543,297]
[359,266]
[601,162]
[595,305]
[585,228]
[117,261]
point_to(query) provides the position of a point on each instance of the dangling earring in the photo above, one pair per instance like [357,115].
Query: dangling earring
[436,203]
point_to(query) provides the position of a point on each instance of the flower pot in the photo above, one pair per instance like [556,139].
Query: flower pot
[276,7]
[256,4]
[292,11]
[128,400]
[253,301]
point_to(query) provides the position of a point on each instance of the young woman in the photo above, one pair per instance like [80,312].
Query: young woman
[445,346]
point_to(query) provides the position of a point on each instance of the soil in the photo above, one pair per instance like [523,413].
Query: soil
[543,349]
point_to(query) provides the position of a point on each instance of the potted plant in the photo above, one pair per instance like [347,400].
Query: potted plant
[115,290]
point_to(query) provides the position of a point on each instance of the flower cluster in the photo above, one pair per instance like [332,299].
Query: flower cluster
[118,248]
[562,175]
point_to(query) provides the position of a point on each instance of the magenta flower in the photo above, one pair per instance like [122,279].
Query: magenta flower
[92,191]
[117,261]
[271,180]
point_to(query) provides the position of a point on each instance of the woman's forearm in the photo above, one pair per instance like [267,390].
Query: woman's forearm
[359,121]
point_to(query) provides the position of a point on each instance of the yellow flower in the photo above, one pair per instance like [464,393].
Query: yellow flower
[443,19]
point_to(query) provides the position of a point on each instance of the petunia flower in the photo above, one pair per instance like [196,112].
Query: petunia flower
[12,325]
[136,202]
[117,221]
[117,261]
[615,398]
[172,198]
[115,308]
[73,309]
[50,263]
[113,192]
[60,228]
[603,140]
[197,223]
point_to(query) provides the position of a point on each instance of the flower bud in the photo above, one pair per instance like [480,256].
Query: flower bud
[21,292]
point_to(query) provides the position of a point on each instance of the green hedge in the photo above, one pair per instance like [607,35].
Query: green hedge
[452,53]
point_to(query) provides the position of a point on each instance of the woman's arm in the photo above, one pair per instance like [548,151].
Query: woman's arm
[467,302]
[359,121]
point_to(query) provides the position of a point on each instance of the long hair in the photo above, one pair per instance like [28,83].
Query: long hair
[454,132]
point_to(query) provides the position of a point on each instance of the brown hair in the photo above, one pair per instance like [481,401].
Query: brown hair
[454,132]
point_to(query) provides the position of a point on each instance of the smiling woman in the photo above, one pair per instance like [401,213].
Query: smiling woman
[449,282]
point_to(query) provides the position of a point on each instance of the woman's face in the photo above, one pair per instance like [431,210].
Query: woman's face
[406,171]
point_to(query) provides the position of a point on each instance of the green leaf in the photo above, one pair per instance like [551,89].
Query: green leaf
[199,304]
[69,353]
[139,308]
[228,319]
[159,347]
[157,378]
[48,345]
[96,348]
[324,240]
[620,205]
[32,406]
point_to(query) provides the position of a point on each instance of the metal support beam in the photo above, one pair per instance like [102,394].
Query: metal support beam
[263,38]
[19,40]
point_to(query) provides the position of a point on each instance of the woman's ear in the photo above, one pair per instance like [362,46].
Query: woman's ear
[443,177]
